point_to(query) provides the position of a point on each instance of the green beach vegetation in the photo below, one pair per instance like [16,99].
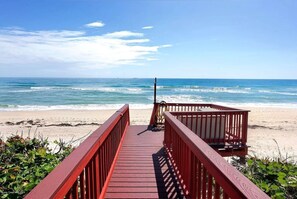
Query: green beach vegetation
[276,177]
[24,162]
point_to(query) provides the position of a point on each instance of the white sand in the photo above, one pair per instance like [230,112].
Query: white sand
[67,125]
[265,125]
[269,124]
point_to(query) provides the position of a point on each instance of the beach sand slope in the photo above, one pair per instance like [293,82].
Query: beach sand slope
[270,129]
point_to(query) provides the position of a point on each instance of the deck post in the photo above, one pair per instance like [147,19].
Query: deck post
[155,91]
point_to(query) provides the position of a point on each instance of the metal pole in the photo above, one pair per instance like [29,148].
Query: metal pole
[155,91]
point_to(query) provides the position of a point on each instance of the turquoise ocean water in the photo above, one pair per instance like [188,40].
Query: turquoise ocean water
[94,94]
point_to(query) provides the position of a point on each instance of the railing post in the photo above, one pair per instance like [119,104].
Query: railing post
[193,181]
[189,170]
[244,127]
[155,91]
[97,176]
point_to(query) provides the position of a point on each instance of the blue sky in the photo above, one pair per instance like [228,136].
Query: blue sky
[149,38]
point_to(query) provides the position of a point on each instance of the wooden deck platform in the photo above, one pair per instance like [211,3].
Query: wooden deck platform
[142,170]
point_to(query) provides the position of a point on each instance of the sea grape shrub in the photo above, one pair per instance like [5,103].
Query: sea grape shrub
[277,178]
[24,162]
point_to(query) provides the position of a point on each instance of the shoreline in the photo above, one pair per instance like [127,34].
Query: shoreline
[105,107]
[266,124]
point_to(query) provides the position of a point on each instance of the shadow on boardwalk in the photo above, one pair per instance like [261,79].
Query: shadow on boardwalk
[168,186]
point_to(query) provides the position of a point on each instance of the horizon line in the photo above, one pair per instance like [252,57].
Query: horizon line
[225,78]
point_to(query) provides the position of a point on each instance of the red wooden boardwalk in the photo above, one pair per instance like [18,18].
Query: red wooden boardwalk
[122,161]
[142,170]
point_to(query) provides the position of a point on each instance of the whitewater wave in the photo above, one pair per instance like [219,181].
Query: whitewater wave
[277,92]
[178,98]
[39,89]
[113,90]
[260,105]
[72,107]
[23,91]
[163,87]
[212,90]
[100,89]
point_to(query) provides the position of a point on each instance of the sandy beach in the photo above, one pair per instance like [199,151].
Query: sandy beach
[270,129]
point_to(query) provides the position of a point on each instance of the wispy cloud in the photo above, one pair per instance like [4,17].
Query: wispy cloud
[74,48]
[166,46]
[96,24]
[147,27]
[123,34]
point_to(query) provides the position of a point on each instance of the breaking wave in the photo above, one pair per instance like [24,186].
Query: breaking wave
[211,90]
[277,92]
[72,107]
[100,89]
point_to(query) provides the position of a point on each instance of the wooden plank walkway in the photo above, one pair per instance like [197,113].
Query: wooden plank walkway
[142,170]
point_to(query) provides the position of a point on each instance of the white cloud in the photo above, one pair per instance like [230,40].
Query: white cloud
[74,48]
[166,46]
[96,24]
[147,27]
[123,34]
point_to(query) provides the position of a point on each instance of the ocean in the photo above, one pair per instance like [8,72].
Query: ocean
[96,94]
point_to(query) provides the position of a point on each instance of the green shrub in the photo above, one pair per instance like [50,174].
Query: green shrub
[277,178]
[25,162]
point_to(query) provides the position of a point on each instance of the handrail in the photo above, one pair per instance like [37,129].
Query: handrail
[201,170]
[208,111]
[84,173]
[217,126]
[159,108]
[215,106]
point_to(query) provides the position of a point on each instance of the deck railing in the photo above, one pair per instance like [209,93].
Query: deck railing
[217,127]
[86,171]
[224,128]
[202,172]
[159,109]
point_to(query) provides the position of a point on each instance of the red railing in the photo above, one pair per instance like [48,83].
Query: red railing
[159,109]
[86,171]
[202,172]
[222,127]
